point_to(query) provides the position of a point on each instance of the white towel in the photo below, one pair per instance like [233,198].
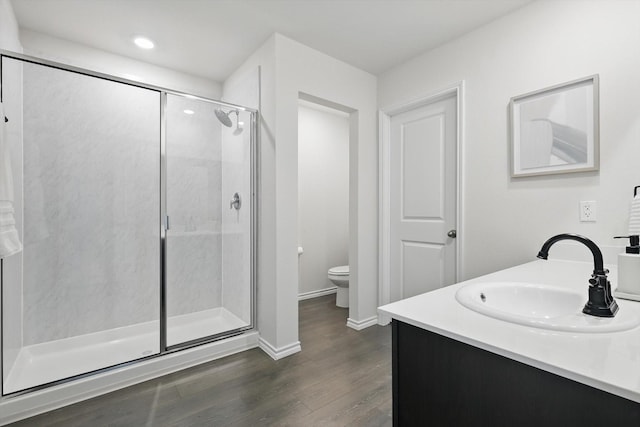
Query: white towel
[634,216]
[9,239]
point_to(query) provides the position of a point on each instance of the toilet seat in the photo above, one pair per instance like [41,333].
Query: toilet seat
[342,270]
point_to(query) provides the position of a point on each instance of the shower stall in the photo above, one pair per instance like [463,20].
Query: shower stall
[136,210]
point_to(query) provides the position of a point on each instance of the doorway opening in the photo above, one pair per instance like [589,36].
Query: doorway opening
[323,201]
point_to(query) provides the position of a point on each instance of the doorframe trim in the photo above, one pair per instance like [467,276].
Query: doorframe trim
[384,182]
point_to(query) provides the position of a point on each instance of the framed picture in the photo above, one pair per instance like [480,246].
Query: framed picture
[555,130]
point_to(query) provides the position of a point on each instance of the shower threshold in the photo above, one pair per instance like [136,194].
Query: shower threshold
[51,361]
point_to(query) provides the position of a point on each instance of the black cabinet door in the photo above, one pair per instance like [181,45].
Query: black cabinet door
[438,381]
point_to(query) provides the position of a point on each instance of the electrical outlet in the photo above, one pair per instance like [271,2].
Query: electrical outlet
[588,211]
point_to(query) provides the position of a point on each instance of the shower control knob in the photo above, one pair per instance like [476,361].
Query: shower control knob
[452,233]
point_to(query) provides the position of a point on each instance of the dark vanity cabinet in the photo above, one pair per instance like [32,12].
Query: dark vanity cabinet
[438,381]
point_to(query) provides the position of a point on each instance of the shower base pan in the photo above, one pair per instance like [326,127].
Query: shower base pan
[51,361]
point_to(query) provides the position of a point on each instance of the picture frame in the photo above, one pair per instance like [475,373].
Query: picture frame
[555,130]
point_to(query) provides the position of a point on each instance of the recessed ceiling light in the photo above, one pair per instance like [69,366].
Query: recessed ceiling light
[189,112]
[143,43]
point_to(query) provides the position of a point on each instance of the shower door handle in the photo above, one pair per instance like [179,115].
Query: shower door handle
[236,202]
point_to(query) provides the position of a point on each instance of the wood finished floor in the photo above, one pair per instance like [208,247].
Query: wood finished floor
[341,377]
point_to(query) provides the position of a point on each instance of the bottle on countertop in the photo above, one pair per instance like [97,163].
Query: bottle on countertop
[629,269]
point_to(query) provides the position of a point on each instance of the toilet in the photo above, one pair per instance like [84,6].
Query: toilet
[340,277]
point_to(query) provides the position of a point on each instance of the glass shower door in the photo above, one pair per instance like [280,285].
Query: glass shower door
[208,286]
[83,294]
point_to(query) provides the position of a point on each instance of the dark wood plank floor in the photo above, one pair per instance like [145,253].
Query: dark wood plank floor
[341,377]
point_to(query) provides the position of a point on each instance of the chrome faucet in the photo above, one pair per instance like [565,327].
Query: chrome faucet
[601,302]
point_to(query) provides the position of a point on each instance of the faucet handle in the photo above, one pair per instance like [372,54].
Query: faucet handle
[601,273]
[599,279]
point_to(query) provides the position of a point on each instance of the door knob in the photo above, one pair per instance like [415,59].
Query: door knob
[452,233]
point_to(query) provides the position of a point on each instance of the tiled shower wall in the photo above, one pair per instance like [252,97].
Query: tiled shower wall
[236,238]
[194,182]
[236,177]
[91,197]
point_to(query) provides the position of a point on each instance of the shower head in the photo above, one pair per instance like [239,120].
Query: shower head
[225,120]
[224,117]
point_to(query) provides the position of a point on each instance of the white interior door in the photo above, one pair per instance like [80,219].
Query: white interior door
[423,199]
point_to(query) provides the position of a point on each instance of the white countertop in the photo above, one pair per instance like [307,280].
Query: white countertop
[607,361]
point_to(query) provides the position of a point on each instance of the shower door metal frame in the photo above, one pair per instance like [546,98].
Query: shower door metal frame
[163,226]
[164,348]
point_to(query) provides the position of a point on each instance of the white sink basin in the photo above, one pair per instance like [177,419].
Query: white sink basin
[540,306]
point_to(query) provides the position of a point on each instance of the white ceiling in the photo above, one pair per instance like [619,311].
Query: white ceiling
[211,38]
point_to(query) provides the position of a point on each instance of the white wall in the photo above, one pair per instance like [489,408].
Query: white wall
[78,55]
[289,70]
[304,71]
[542,44]
[9,31]
[277,337]
[323,194]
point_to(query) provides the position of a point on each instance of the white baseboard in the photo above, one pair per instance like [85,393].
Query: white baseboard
[359,325]
[279,353]
[317,293]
